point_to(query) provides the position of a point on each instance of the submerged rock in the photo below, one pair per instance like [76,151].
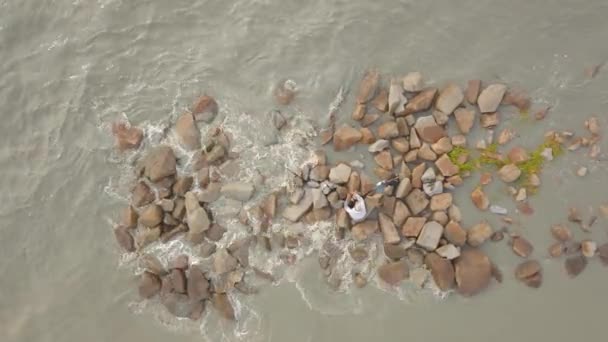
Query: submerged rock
[473,271]
[478,234]
[442,271]
[238,191]
[529,273]
[149,285]
[393,273]
[575,265]
[222,304]
[521,247]
[205,109]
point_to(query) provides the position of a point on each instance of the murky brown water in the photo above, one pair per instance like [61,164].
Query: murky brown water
[68,68]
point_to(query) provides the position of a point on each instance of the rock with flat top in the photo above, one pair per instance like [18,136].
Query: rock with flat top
[223,262]
[561,233]
[428,130]
[319,201]
[238,191]
[465,119]
[416,201]
[441,201]
[445,166]
[294,212]
[160,163]
[188,134]
[413,226]
[430,235]
[455,234]
[384,160]
[340,174]
[442,271]
[401,213]
[473,271]
[345,137]
[472,91]
[388,130]
[389,231]
[378,146]
[368,86]
[404,188]
[421,102]
[151,216]
[480,199]
[490,98]
[393,273]
[396,99]
[448,251]
[363,230]
[449,98]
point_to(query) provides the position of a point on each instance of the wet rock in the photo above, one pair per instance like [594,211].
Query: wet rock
[441,201]
[561,233]
[129,218]
[396,99]
[238,191]
[479,233]
[588,248]
[368,86]
[178,280]
[369,119]
[442,271]
[489,120]
[479,199]
[394,252]
[151,216]
[205,109]
[380,102]
[181,262]
[441,217]
[240,250]
[497,236]
[413,226]
[345,137]
[448,251]
[223,262]
[521,247]
[575,265]
[367,136]
[530,273]
[416,201]
[197,218]
[445,166]
[518,98]
[319,173]
[388,130]
[210,194]
[359,280]
[363,230]
[430,235]
[149,285]
[472,91]
[509,173]
[277,119]
[393,273]
[188,134]
[340,174]
[572,248]
[556,250]
[428,130]
[449,98]
[222,304]
[421,102]
[602,252]
[216,154]
[124,239]
[400,214]
[389,231]
[473,271]
[141,195]
[318,199]
[359,112]
[378,146]
[215,232]
[455,234]
[440,117]
[159,163]
[491,97]
[358,254]
[151,264]
[207,249]
[126,137]
[465,119]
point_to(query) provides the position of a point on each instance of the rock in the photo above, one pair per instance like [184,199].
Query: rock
[441,217]
[459,140]
[414,140]
[181,262]
[442,271]
[441,201]
[318,199]
[419,276]
[359,280]
[396,99]
[473,271]
[455,234]
[472,92]
[277,119]
[572,248]
[149,285]
[285,92]
[413,82]
[581,172]
[491,97]
[380,102]
[222,304]
[593,125]
[478,234]
[498,210]
[575,265]
[588,248]
[384,160]
[151,264]
[210,194]
[160,163]
[378,146]
[354,182]
[367,86]
[416,201]
[518,98]
[345,137]
[449,98]
[445,166]
[509,173]
[480,199]
[417,174]
[602,252]
[529,273]
[364,230]
[369,119]
[238,191]
[129,218]
[421,102]
[448,251]
[400,214]
[359,112]
[207,249]
[465,119]
[394,252]
[432,189]
[126,137]
[443,145]
[269,205]
[358,254]
[146,236]
[489,120]
[182,185]
[561,233]
[430,235]
[205,109]
[556,250]
[521,247]
[428,130]
[389,231]
[197,218]
[319,173]
[178,280]
[404,188]
[340,174]
[124,239]
[440,117]
[401,145]
[393,273]
[141,194]
[413,226]
[188,134]
[151,216]
[215,232]
[388,130]
[367,137]
[426,153]
[240,250]
[223,262]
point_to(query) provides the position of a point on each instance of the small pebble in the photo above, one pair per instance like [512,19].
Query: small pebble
[496,209]
[581,172]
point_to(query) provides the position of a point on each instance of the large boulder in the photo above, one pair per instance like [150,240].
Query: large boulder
[160,162]
[441,270]
[205,109]
[473,271]
[364,230]
[295,212]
